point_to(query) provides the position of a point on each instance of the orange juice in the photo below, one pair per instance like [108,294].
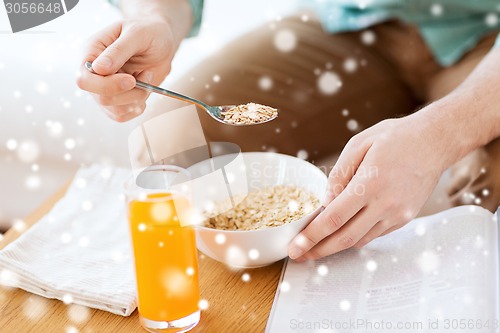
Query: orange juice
[165,259]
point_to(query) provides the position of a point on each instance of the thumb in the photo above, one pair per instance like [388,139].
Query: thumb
[112,59]
[344,169]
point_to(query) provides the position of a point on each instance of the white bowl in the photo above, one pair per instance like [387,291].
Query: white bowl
[256,248]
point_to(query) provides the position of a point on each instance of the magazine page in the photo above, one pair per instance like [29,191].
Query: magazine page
[437,274]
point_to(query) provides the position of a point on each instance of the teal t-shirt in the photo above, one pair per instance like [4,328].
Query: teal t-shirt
[449,27]
[197,6]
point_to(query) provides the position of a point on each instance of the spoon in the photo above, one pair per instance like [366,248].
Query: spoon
[214,111]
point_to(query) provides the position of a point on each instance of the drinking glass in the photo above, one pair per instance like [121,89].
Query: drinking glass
[164,250]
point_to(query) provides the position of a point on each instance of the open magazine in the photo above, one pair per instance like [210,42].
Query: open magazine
[440,273]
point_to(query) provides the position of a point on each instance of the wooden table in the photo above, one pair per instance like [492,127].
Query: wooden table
[234,305]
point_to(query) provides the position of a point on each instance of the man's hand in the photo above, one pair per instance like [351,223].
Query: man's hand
[386,173]
[140,47]
[127,50]
[383,177]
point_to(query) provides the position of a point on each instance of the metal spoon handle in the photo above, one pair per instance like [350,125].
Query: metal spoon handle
[169,93]
[158,90]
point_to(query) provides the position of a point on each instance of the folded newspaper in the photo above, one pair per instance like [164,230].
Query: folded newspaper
[438,274]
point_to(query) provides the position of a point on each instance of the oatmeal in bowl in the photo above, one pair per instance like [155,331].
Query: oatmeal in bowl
[254,229]
[264,208]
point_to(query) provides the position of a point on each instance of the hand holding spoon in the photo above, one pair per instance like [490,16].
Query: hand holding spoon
[218,113]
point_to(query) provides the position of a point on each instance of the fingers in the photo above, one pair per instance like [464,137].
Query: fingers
[117,54]
[388,231]
[458,183]
[102,39]
[378,229]
[134,96]
[113,89]
[351,157]
[105,85]
[125,113]
[345,238]
[332,218]
[119,106]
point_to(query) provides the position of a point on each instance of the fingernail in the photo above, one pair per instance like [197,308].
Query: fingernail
[328,198]
[295,252]
[128,83]
[103,62]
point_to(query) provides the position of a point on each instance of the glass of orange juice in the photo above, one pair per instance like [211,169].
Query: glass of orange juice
[164,251]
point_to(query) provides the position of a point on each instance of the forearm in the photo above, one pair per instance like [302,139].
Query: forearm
[177,13]
[469,117]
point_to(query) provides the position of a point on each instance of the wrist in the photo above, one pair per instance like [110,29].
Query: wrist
[468,117]
[453,133]
[177,14]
